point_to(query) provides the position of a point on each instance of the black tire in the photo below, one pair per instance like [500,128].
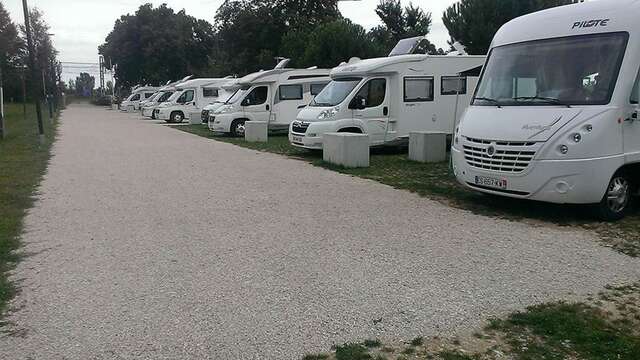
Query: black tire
[153,115]
[617,199]
[237,127]
[176,117]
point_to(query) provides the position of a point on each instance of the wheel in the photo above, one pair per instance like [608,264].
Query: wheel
[176,117]
[237,128]
[153,115]
[616,201]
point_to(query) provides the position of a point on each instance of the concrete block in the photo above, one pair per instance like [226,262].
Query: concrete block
[428,146]
[346,149]
[256,131]
[195,118]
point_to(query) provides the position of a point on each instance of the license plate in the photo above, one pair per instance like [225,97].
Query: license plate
[297,139]
[491,182]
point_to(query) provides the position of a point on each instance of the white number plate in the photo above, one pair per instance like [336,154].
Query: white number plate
[297,139]
[491,182]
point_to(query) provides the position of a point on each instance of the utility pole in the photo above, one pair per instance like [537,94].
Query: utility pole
[34,71]
[101,63]
[24,92]
[2,127]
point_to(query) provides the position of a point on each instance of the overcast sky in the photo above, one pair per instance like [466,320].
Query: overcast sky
[81,25]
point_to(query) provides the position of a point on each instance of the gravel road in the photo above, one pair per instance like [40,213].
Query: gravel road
[148,242]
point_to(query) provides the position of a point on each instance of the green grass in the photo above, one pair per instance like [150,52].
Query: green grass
[23,161]
[390,166]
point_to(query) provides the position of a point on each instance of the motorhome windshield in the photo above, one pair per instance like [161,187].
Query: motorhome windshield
[165,96]
[335,92]
[577,70]
[236,96]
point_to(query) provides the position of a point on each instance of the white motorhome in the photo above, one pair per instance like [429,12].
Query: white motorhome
[555,115]
[194,95]
[274,96]
[389,97]
[138,94]
[163,95]
[226,91]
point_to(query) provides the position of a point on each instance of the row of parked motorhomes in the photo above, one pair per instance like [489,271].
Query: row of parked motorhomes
[553,117]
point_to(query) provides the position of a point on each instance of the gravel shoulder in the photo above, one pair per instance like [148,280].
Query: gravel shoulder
[148,242]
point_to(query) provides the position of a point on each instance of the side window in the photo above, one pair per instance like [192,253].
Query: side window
[374,91]
[135,97]
[185,97]
[148,95]
[453,85]
[290,92]
[635,93]
[209,92]
[316,88]
[418,89]
[257,96]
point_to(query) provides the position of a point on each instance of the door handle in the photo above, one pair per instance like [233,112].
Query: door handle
[633,117]
[268,108]
[385,111]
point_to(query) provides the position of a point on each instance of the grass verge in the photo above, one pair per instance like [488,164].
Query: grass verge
[607,326]
[391,167]
[23,161]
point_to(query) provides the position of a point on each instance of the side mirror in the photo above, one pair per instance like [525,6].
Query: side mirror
[358,103]
[245,102]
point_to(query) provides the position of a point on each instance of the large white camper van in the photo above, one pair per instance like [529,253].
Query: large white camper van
[389,97]
[138,94]
[274,96]
[163,95]
[194,95]
[555,115]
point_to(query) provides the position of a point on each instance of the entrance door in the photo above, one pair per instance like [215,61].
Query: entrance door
[187,99]
[375,114]
[631,127]
[256,105]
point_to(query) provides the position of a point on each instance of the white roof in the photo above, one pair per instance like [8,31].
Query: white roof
[561,21]
[368,66]
[200,82]
[273,75]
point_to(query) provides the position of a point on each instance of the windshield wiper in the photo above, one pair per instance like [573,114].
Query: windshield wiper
[549,100]
[320,104]
[488,99]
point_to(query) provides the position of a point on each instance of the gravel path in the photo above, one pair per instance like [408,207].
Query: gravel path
[149,242]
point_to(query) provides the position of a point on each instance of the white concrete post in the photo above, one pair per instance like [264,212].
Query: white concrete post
[195,118]
[428,146]
[256,131]
[346,149]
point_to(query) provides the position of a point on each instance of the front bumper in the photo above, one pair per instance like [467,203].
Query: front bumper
[581,181]
[220,123]
[147,112]
[162,114]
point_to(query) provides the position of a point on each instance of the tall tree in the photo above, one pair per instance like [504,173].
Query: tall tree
[157,44]
[399,23]
[11,46]
[474,22]
[84,84]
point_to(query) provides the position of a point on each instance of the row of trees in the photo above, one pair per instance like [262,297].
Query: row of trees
[14,55]
[156,44]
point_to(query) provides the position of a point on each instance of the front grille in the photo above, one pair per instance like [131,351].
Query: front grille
[299,127]
[507,156]
[204,116]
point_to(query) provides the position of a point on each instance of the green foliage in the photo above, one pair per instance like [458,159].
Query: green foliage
[157,44]
[474,22]
[352,351]
[372,343]
[84,84]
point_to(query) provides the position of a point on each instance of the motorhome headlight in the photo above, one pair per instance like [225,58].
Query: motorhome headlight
[577,137]
[328,114]
[564,149]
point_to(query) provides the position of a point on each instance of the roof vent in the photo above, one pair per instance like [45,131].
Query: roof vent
[282,64]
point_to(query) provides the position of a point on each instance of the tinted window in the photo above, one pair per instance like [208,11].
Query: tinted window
[635,96]
[257,96]
[317,88]
[453,85]
[147,95]
[290,92]
[374,92]
[418,89]
[135,97]
[210,92]
[186,97]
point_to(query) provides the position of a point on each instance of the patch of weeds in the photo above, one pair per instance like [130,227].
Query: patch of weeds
[352,351]
[454,355]
[372,343]
[315,357]
[418,341]
[409,351]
